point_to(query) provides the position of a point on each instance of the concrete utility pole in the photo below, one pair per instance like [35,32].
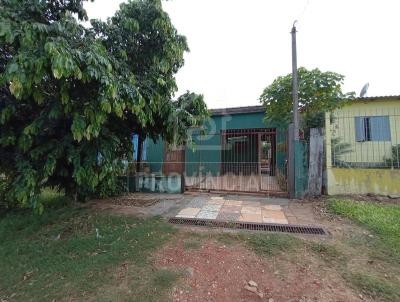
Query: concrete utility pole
[295,85]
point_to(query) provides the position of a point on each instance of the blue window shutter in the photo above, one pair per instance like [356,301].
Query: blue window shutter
[135,141]
[144,150]
[360,128]
[380,128]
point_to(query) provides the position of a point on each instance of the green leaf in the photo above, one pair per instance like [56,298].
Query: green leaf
[74,84]
[5,31]
[105,106]
[16,88]
[6,114]
[78,127]
[38,97]
[12,68]
[57,72]
[49,166]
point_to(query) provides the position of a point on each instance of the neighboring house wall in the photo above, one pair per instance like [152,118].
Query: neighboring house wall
[363,181]
[347,124]
[362,143]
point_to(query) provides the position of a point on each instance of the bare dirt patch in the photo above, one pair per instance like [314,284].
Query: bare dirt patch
[218,272]
[140,204]
[141,200]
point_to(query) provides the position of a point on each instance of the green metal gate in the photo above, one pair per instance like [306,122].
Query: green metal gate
[238,160]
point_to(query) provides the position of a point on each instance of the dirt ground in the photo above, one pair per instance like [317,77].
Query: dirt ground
[218,272]
[214,270]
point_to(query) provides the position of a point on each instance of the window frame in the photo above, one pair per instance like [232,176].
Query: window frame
[365,124]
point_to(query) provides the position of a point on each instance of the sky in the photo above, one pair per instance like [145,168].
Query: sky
[237,47]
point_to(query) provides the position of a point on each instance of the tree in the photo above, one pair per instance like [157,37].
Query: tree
[71,97]
[319,92]
[189,110]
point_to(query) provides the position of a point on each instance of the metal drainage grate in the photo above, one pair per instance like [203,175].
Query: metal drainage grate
[268,227]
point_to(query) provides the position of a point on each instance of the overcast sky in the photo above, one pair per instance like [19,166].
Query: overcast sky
[239,47]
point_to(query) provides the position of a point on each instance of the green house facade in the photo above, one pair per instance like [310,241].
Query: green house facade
[236,151]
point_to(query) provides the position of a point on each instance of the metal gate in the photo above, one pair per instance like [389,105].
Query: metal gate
[239,160]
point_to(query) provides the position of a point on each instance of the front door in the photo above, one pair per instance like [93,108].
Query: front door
[174,159]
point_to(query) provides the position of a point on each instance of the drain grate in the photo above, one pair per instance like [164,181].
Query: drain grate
[267,227]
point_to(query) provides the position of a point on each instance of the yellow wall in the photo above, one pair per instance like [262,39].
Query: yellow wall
[363,181]
[343,126]
[382,181]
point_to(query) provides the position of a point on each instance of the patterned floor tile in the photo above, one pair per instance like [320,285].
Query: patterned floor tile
[211,207]
[228,216]
[207,215]
[251,210]
[273,220]
[216,201]
[272,207]
[273,214]
[251,203]
[232,203]
[250,218]
[217,198]
[197,202]
[231,209]
[188,212]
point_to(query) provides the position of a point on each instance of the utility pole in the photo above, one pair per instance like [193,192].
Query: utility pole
[294,127]
[295,85]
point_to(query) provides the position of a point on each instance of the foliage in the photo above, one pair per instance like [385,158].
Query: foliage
[71,97]
[57,256]
[318,91]
[339,148]
[384,220]
[394,161]
[189,110]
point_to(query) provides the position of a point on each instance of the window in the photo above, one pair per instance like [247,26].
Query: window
[135,141]
[372,128]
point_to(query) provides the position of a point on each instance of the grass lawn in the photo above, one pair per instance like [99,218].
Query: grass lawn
[72,254]
[383,221]
[58,256]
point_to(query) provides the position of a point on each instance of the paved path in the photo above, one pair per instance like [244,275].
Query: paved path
[227,207]
[236,208]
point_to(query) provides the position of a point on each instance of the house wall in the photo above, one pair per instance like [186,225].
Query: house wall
[207,148]
[343,127]
[355,179]
[155,155]
[363,181]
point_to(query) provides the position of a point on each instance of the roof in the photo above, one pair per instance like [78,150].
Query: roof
[237,110]
[378,98]
[259,108]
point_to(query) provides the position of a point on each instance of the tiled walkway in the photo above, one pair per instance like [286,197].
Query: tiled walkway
[220,208]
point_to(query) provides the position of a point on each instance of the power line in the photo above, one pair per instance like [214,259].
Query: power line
[304,10]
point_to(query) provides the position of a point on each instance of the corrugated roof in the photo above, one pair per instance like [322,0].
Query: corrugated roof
[376,98]
[259,108]
[237,110]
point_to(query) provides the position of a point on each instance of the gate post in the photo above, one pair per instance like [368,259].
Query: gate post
[297,172]
[291,163]
[316,162]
